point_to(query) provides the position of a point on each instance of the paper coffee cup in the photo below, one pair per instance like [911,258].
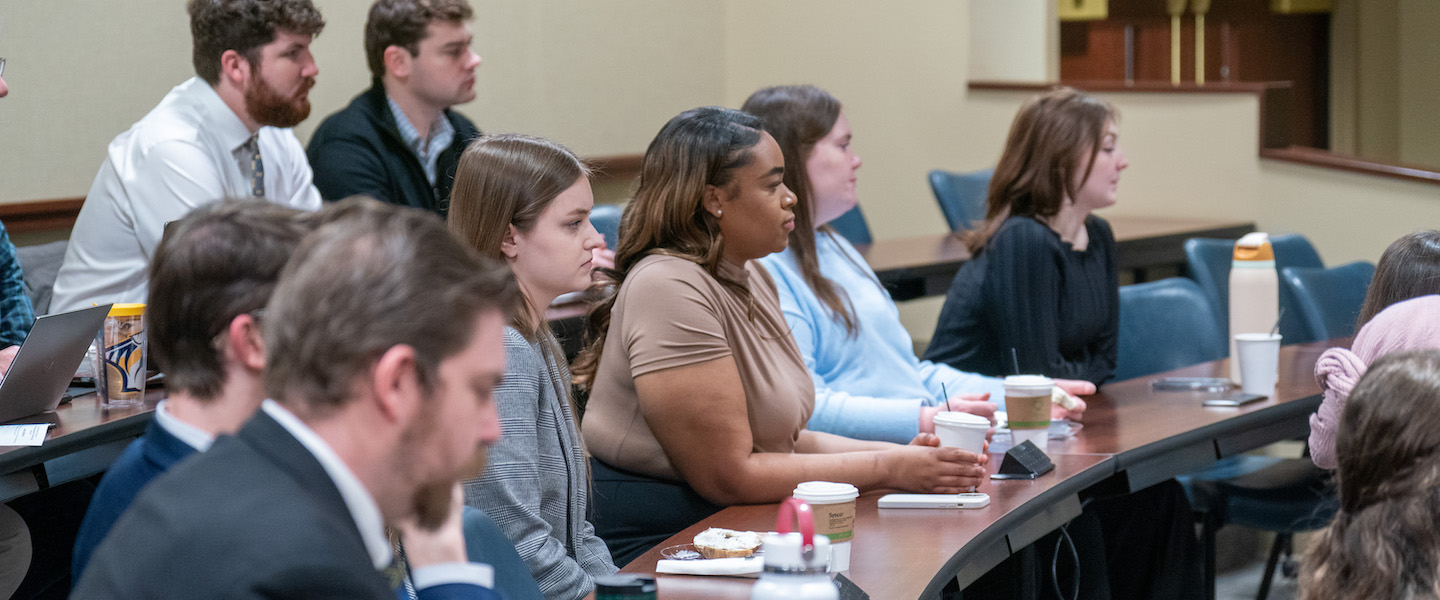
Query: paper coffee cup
[1027,406]
[962,430]
[1259,356]
[834,507]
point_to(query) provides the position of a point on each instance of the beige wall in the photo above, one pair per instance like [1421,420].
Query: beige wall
[1384,60]
[899,71]
[1420,83]
[1014,40]
[599,76]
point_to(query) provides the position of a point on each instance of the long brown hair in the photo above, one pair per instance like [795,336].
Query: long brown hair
[1385,539]
[505,180]
[1036,173]
[699,147]
[799,116]
[1409,268]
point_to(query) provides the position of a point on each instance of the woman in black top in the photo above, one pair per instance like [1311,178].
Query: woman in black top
[1043,280]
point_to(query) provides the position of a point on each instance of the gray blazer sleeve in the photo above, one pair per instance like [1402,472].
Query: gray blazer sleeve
[526,464]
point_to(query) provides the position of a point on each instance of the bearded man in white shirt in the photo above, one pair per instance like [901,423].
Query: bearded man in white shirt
[224,133]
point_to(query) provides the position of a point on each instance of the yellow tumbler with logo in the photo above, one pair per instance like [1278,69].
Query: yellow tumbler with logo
[120,357]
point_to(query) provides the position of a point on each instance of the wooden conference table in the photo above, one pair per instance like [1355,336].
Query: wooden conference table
[1132,436]
[84,440]
[921,266]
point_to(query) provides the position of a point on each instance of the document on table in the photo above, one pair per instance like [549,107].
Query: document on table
[23,435]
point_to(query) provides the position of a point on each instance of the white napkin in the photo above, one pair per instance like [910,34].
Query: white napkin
[749,566]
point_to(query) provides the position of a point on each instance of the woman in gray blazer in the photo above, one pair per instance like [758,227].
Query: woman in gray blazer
[527,201]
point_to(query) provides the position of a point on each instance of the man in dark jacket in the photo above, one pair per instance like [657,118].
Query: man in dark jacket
[367,426]
[399,141]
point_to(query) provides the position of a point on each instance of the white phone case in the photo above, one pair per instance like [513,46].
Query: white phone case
[969,500]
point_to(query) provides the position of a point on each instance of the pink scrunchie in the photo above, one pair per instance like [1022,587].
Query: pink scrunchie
[1410,325]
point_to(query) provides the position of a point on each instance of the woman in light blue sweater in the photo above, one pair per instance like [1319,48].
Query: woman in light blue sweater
[527,201]
[868,383]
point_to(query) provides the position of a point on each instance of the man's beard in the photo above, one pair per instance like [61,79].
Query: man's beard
[268,107]
[431,502]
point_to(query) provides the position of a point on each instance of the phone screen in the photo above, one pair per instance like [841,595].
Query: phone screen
[1234,399]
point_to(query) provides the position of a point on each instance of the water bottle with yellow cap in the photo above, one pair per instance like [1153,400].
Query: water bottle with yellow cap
[1254,292]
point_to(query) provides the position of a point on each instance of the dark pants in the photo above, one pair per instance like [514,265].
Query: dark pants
[634,513]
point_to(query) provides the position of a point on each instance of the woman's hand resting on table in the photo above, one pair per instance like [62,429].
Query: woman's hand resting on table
[1074,388]
[925,467]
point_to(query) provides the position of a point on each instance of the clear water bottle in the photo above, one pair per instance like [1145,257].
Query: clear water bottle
[1254,292]
[795,562]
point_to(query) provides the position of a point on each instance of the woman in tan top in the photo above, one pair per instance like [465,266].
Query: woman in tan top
[698,394]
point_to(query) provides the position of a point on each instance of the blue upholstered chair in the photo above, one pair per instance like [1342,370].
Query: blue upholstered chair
[1165,325]
[1168,324]
[606,219]
[961,196]
[852,225]
[1282,495]
[41,264]
[1208,263]
[1328,300]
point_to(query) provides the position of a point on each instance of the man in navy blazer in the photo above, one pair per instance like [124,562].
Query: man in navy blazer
[212,274]
[383,345]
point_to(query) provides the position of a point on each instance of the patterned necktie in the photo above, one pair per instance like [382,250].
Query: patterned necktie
[257,167]
[398,575]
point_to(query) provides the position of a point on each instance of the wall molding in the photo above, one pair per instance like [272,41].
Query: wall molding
[59,213]
[1274,139]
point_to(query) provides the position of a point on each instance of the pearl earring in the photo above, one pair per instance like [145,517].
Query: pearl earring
[718,213]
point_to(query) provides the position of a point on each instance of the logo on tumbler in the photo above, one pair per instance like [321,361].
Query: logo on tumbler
[125,362]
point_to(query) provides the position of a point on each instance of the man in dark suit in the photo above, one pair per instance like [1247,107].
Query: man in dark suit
[400,141]
[212,273]
[383,347]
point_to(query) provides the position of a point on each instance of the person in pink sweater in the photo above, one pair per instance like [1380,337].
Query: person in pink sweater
[1409,325]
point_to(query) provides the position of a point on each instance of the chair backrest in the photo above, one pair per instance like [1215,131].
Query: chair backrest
[1165,325]
[1328,300]
[1207,261]
[40,264]
[961,196]
[852,225]
[606,219]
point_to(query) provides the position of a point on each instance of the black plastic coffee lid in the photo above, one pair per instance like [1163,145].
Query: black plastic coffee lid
[620,584]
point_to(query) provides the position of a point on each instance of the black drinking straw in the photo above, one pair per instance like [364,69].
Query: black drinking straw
[1015,360]
[947,396]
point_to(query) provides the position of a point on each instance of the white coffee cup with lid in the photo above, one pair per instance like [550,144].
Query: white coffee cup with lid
[834,509]
[962,430]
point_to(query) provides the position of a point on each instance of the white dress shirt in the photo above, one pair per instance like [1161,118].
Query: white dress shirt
[186,153]
[192,436]
[366,513]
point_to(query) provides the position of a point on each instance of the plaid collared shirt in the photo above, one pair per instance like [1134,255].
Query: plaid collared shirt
[16,313]
[427,150]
